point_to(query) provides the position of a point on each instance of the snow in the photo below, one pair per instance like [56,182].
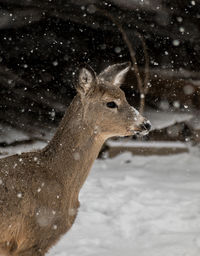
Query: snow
[155,5]
[163,119]
[9,134]
[145,144]
[21,148]
[176,42]
[147,206]
[195,121]
[137,205]
[192,77]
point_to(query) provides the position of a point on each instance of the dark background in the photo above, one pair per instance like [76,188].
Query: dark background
[42,44]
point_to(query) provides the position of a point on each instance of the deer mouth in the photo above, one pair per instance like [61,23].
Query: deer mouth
[141,130]
[138,132]
[143,133]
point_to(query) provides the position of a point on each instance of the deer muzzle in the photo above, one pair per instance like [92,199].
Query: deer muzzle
[141,127]
[145,127]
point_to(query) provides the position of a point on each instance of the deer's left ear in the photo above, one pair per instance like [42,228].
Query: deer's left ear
[86,79]
[115,74]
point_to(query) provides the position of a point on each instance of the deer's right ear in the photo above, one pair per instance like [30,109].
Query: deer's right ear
[86,80]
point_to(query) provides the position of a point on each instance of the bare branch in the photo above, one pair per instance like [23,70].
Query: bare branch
[146,68]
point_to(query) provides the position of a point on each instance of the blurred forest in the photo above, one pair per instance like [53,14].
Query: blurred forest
[42,44]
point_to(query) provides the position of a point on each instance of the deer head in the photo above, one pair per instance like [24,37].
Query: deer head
[104,104]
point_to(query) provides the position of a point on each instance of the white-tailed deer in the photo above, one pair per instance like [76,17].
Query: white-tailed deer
[39,190]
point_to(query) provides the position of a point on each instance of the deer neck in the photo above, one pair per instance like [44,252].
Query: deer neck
[74,147]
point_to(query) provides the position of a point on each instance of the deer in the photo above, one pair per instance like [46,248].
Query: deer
[39,190]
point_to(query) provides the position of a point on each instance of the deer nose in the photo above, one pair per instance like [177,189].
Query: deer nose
[146,125]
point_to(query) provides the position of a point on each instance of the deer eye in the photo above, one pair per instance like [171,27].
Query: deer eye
[111,104]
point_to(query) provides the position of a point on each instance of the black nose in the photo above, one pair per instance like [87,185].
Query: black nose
[146,125]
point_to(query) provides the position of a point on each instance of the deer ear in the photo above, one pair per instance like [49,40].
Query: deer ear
[86,79]
[115,74]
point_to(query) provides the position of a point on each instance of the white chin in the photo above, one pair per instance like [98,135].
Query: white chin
[144,132]
[140,133]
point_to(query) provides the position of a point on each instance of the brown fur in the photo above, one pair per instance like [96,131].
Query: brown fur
[39,190]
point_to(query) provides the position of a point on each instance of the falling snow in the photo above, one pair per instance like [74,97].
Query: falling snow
[176,42]
[130,205]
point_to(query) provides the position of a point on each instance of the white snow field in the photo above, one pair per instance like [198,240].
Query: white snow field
[142,206]
[136,206]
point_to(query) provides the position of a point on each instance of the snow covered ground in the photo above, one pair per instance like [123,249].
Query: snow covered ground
[135,205]
[143,206]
